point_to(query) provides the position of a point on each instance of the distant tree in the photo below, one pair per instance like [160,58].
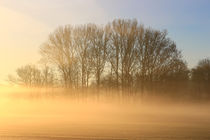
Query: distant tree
[178,73]
[12,80]
[202,72]
[29,76]
[48,76]
[60,51]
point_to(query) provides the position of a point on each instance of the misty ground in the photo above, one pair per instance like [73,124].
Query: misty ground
[64,118]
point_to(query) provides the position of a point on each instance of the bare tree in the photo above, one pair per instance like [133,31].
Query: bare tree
[122,49]
[133,54]
[82,36]
[178,73]
[99,40]
[156,54]
[60,51]
[202,72]
[28,76]
[48,76]
[158,58]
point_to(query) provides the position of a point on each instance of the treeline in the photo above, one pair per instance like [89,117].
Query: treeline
[121,55]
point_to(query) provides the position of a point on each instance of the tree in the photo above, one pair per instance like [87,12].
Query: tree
[48,76]
[122,50]
[60,51]
[82,35]
[202,72]
[158,59]
[157,55]
[29,76]
[179,72]
[99,41]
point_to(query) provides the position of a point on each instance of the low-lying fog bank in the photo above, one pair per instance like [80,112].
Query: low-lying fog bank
[27,113]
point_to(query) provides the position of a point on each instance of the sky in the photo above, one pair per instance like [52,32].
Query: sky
[26,24]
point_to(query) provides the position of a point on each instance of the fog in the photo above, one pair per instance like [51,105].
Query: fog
[44,114]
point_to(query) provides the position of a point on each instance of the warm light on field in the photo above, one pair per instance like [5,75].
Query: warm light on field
[104,70]
[25,115]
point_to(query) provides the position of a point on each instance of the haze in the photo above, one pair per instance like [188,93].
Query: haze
[29,117]
[104,69]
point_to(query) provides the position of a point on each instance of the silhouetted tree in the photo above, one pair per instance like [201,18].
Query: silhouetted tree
[179,72]
[123,53]
[29,76]
[60,51]
[202,72]
[48,76]
[82,36]
[99,41]
[157,54]
[122,50]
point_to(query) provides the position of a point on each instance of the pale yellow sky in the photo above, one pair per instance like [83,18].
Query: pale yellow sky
[25,25]
[20,38]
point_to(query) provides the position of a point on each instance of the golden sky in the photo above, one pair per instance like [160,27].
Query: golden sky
[25,25]
[20,37]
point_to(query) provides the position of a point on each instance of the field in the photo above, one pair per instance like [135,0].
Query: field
[59,118]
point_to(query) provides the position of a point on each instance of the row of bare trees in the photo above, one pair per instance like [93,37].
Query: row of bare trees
[121,55]
[31,76]
[123,51]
